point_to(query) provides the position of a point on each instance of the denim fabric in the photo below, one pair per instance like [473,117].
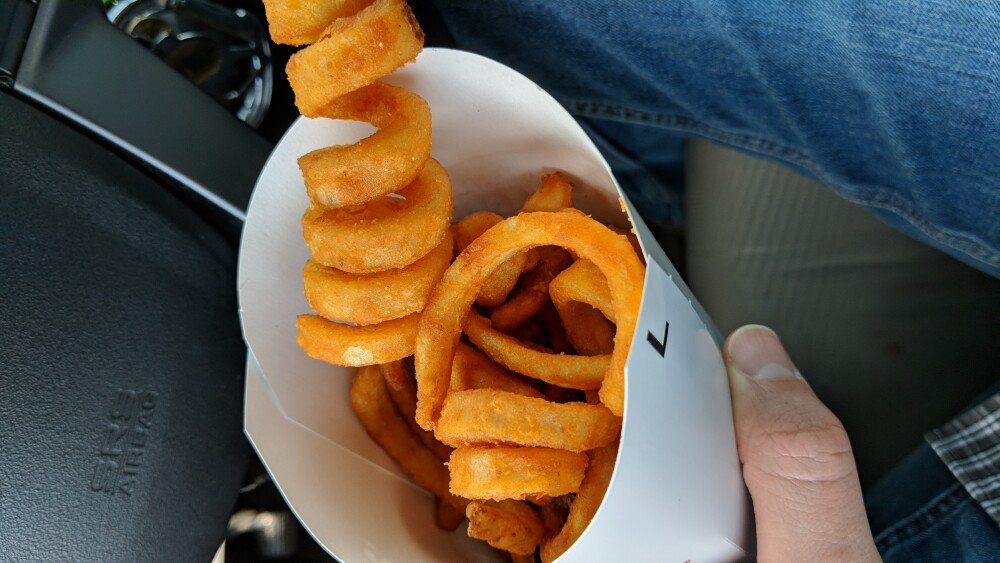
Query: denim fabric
[895,105]
[647,162]
[920,512]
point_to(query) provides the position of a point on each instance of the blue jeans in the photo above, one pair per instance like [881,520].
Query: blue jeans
[894,105]
[920,512]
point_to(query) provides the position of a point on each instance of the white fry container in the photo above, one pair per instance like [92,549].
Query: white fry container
[677,492]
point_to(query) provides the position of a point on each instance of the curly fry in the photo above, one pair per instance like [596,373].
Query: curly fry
[441,323]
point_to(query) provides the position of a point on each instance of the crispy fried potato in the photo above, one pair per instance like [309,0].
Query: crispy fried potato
[385,162]
[581,296]
[554,331]
[354,52]
[300,22]
[503,280]
[584,506]
[510,525]
[372,405]
[575,372]
[590,333]
[515,473]
[554,194]
[558,394]
[441,323]
[488,417]
[346,345]
[468,228]
[634,240]
[384,234]
[366,299]
[582,282]
[446,516]
[530,333]
[533,290]
[403,391]
[398,379]
[472,370]
[553,513]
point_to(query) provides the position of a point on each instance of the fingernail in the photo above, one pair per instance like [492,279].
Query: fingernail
[757,352]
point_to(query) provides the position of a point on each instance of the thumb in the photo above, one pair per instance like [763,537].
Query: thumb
[797,460]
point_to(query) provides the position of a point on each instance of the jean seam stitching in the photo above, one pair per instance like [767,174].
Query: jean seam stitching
[875,197]
[936,512]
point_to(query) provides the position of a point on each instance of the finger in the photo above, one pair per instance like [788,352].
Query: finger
[797,460]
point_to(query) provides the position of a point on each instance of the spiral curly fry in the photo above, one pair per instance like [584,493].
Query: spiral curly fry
[300,22]
[584,506]
[380,209]
[509,525]
[442,321]
[378,297]
[372,404]
[515,473]
[383,285]
[575,372]
[581,296]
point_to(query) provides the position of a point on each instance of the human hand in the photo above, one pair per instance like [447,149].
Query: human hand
[797,460]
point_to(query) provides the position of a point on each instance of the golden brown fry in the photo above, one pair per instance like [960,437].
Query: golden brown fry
[384,234]
[510,525]
[554,331]
[503,280]
[581,296]
[372,405]
[354,52]
[588,500]
[575,372]
[383,163]
[630,234]
[533,290]
[441,322]
[346,345]
[515,473]
[300,22]
[399,380]
[487,417]
[373,298]
[472,370]
[468,228]
[446,516]
[553,514]
[403,391]
[590,333]
[582,282]
[554,194]
[558,394]
[515,558]
[530,333]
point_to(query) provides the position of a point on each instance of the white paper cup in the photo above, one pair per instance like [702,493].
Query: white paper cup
[676,493]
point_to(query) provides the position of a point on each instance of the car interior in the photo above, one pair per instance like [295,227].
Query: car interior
[132,133]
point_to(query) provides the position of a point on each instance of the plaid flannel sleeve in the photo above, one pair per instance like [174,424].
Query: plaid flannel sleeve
[970,446]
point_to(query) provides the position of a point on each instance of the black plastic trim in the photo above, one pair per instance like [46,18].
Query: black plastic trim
[16,17]
[79,66]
